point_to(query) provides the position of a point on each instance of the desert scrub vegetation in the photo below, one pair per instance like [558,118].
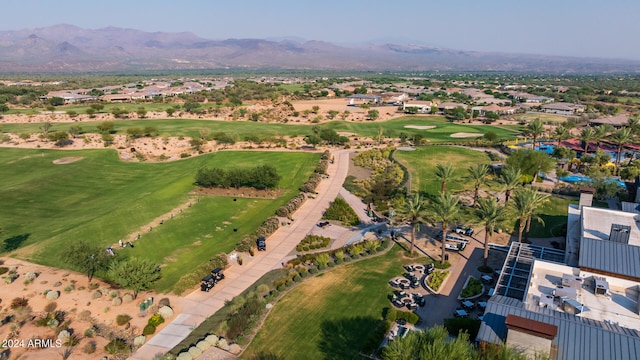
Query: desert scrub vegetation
[436,279]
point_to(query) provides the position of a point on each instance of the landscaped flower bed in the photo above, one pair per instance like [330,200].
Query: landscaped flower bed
[472,288]
[435,280]
[312,242]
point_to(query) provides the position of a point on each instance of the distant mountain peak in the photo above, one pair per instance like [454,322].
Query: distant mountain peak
[110,48]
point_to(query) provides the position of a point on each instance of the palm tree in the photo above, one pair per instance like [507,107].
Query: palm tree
[432,343]
[477,175]
[444,173]
[413,211]
[535,128]
[586,136]
[621,138]
[561,133]
[510,178]
[600,132]
[490,215]
[634,124]
[526,204]
[444,210]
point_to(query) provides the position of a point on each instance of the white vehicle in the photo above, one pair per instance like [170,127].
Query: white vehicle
[455,247]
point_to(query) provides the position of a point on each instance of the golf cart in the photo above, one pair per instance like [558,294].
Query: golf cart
[261,244]
[207,283]
[217,274]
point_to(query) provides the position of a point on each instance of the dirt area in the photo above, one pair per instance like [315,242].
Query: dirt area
[359,172]
[240,192]
[79,303]
[67,160]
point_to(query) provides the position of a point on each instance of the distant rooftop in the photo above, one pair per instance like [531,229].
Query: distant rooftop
[596,223]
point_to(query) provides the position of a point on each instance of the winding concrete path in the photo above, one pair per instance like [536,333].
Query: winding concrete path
[198,305]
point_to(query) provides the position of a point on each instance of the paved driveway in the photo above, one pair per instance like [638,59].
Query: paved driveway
[200,305]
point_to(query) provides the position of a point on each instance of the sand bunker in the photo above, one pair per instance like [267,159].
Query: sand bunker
[420,127]
[67,160]
[465,135]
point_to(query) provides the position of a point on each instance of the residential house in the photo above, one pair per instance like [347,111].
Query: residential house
[357,99]
[563,108]
[615,121]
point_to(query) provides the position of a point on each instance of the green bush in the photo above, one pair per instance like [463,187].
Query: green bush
[391,314]
[313,242]
[473,288]
[340,210]
[149,329]
[155,320]
[3,270]
[313,270]
[116,346]
[122,319]
[297,278]
[410,317]
[440,266]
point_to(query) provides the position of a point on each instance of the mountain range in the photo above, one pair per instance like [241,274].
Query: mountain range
[67,48]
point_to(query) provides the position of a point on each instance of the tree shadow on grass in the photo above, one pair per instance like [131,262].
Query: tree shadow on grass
[343,338]
[14,242]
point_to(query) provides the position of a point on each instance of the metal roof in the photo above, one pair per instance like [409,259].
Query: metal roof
[577,338]
[612,257]
[516,270]
[631,207]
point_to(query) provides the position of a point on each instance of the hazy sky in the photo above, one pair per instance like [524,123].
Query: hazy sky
[604,28]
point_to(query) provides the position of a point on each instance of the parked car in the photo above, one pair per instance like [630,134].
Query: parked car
[455,247]
[261,243]
[323,224]
[464,230]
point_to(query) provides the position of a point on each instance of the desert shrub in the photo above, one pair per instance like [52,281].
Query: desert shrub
[311,184]
[474,287]
[123,319]
[94,286]
[89,347]
[3,270]
[166,312]
[116,346]
[149,329]
[51,307]
[90,332]
[155,320]
[340,210]
[164,302]
[19,302]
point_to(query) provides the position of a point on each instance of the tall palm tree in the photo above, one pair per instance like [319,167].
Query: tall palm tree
[535,128]
[600,132]
[510,178]
[413,211]
[526,204]
[444,210]
[444,173]
[561,133]
[490,215]
[586,136]
[432,343]
[634,124]
[621,138]
[477,175]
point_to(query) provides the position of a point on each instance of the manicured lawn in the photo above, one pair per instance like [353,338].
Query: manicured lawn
[554,215]
[543,116]
[103,199]
[329,316]
[187,127]
[422,163]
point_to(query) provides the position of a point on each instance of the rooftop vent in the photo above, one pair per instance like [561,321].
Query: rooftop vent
[620,233]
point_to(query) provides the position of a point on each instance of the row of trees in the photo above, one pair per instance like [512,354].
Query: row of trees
[522,203]
[260,177]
